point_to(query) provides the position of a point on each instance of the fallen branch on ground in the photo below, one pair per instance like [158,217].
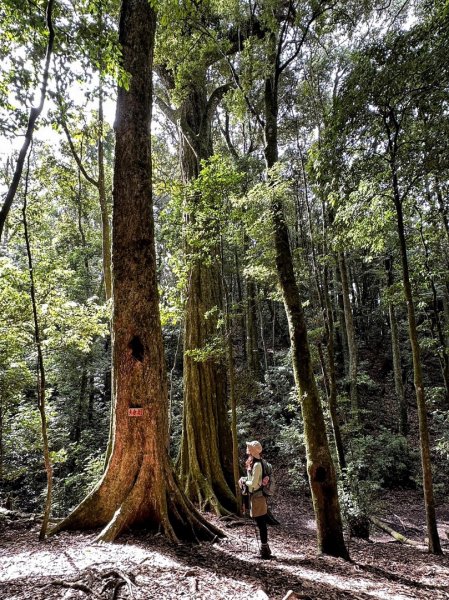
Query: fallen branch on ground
[397,536]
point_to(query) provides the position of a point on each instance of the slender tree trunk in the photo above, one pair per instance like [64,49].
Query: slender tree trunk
[437,321]
[396,354]
[432,531]
[329,320]
[35,113]
[105,227]
[138,487]
[320,467]
[322,288]
[350,335]
[232,396]
[262,336]
[79,418]
[341,336]
[240,301]
[40,373]
[252,346]
[90,405]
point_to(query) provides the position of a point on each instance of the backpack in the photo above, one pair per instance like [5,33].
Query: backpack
[268,488]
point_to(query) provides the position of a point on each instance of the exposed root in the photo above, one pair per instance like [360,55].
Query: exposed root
[202,493]
[76,586]
[187,516]
[118,579]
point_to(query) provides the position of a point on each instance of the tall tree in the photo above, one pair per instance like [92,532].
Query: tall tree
[320,466]
[138,487]
[379,114]
[205,459]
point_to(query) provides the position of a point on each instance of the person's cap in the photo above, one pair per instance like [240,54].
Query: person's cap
[254,447]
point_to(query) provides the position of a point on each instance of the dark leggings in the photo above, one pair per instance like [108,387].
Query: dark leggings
[262,525]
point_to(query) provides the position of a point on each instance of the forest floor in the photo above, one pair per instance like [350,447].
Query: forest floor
[143,566]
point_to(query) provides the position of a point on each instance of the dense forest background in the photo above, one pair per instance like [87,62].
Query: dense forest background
[300,170]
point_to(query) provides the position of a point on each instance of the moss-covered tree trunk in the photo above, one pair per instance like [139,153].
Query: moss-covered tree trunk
[429,502]
[320,466]
[205,460]
[392,128]
[138,487]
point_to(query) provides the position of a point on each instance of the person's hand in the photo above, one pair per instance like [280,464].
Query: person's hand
[242,481]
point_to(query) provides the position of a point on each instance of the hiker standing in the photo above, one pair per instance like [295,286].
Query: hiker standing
[258,502]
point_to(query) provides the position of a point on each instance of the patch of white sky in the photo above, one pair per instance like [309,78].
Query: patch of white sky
[394,14]
[80,93]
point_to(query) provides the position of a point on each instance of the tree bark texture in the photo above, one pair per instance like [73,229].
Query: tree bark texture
[205,460]
[320,467]
[138,486]
[432,532]
[434,545]
[396,354]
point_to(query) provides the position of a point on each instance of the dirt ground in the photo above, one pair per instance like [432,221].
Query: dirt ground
[144,566]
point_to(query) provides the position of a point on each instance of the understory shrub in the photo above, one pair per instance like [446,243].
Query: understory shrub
[384,459]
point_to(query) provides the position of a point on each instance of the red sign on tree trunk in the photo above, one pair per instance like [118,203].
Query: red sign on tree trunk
[135,412]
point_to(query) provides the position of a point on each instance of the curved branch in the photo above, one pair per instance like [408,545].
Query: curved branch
[76,156]
[171,113]
[34,115]
[215,99]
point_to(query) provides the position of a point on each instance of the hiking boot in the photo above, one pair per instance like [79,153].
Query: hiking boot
[265,551]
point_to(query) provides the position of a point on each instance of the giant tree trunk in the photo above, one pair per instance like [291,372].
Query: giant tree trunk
[205,460]
[138,486]
[320,467]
